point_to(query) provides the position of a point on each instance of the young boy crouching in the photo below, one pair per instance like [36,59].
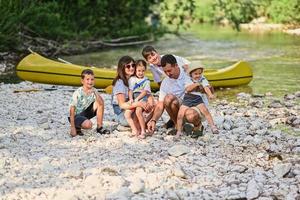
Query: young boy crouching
[85,104]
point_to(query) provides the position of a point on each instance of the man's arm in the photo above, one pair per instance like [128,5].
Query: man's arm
[159,108]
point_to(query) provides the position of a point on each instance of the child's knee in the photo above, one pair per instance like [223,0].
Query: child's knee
[87,124]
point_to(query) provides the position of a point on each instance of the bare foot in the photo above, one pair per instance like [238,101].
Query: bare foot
[177,136]
[142,136]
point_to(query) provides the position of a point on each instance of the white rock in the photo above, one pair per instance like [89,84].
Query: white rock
[178,150]
[280,170]
[252,190]
[178,171]
[137,185]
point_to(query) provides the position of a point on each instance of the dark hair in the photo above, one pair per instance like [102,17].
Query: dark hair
[147,50]
[86,72]
[121,69]
[141,63]
[168,59]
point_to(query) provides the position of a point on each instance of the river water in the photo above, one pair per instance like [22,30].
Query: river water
[275,57]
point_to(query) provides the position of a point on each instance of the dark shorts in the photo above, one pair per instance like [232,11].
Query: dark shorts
[136,94]
[84,115]
[192,100]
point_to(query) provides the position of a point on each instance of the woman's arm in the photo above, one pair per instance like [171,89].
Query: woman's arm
[126,105]
[130,94]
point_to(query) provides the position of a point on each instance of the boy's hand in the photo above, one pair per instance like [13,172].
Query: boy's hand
[131,101]
[211,96]
[73,131]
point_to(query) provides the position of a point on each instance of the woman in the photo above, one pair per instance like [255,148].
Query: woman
[120,99]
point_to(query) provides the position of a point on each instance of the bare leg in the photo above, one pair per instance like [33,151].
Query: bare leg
[99,107]
[171,104]
[180,117]
[140,117]
[87,124]
[130,121]
[203,109]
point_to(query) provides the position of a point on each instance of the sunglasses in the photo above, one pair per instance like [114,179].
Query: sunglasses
[130,65]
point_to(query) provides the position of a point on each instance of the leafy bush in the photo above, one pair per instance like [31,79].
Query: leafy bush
[284,11]
[83,19]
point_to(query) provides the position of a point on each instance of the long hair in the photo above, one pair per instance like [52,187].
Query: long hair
[121,70]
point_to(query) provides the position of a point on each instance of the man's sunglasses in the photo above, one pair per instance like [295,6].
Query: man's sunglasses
[130,65]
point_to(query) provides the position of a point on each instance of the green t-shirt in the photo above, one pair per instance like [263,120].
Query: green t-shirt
[81,101]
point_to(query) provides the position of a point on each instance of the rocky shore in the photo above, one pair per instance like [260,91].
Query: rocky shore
[255,156]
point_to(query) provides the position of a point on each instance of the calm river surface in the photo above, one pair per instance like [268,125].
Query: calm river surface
[275,57]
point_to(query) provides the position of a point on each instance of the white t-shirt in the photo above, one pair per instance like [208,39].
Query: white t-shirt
[119,88]
[139,84]
[174,86]
[158,72]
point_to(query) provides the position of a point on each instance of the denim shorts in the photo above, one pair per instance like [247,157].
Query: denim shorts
[136,94]
[119,115]
[192,100]
[84,115]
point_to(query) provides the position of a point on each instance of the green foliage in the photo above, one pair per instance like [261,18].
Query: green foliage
[204,11]
[243,11]
[236,11]
[177,12]
[284,11]
[84,19]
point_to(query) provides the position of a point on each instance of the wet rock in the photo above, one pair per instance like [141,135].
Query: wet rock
[275,104]
[256,104]
[243,95]
[289,97]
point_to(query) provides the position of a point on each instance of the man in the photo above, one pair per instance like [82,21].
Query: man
[171,93]
[154,60]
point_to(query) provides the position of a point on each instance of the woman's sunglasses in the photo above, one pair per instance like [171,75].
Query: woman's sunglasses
[130,65]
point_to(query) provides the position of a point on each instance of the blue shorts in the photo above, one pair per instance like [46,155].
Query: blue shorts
[136,94]
[191,100]
[84,115]
[120,117]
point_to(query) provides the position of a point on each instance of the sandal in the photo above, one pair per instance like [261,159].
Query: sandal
[198,132]
[78,132]
[188,128]
[102,131]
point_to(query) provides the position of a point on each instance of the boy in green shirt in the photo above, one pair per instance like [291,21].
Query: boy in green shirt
[85,104]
